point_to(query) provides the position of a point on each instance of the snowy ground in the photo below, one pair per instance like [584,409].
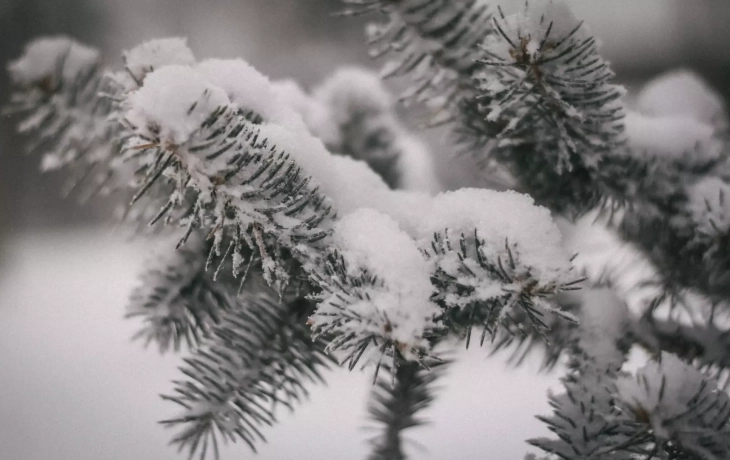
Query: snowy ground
[73,387]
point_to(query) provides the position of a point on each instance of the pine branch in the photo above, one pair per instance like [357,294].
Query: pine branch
[58,90]
[259,357]
[361,123]
[493,292]
[675,413]
[707,344]
[179,299]
[436,42]
[585,419]
[545,79]
[395,404]
[246,185]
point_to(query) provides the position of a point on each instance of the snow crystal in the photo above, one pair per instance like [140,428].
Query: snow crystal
[673,137]
[682,93]
[373,241]
[161,108]
[43,56]
[155,54]
[709,205]
[499,217]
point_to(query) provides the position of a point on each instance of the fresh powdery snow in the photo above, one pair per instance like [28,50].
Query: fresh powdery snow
[672,137]
[172,103]
[156,54]
[682,93]
[369,239]
[500,218]
[41,58]
[380,230]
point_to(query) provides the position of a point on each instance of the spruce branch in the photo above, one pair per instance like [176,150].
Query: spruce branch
[544,77]
[396,404]
[178,298]
[362,123]
[259,357]
[492,292]
[585,419]
[706,344]
[675,412]
[436,43]
[59,88]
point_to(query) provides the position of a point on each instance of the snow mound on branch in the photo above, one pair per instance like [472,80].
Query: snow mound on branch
[172,104]
[709,205]
[663,390]
[44,57]
[155,54]
[351,91]
[250,90]
[681,93]
[672,137]
[373,241]
[313,112]
[498,218]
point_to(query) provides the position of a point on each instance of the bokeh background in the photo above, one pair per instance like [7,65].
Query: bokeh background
[71,384]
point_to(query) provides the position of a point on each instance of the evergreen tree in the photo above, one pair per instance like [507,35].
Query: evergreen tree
[308,233]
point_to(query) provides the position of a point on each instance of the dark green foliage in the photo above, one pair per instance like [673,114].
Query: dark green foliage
[178,299]
[436,43]
[522,307]
[259,357]
[66,117]
[396,404]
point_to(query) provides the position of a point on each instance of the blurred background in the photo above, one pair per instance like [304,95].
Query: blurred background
[71,384]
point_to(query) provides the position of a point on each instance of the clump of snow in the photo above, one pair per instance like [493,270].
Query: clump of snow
[315,114]
[684,94]
[43,58]
[155,54]
[672,137]
[499,217]
[662,391]
[416,167]
[172,104]
[250,90]
[402,310]
[352,91]
[355,97]
[709,205]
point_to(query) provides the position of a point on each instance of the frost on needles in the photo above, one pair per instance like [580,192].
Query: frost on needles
[303,229]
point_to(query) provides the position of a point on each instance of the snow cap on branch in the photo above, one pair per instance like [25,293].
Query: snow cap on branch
[500,218]
[155,54]
[47,58]
[250,91]
[395,304]
[682,93]
[673,138]
[680,407]
[172,104]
